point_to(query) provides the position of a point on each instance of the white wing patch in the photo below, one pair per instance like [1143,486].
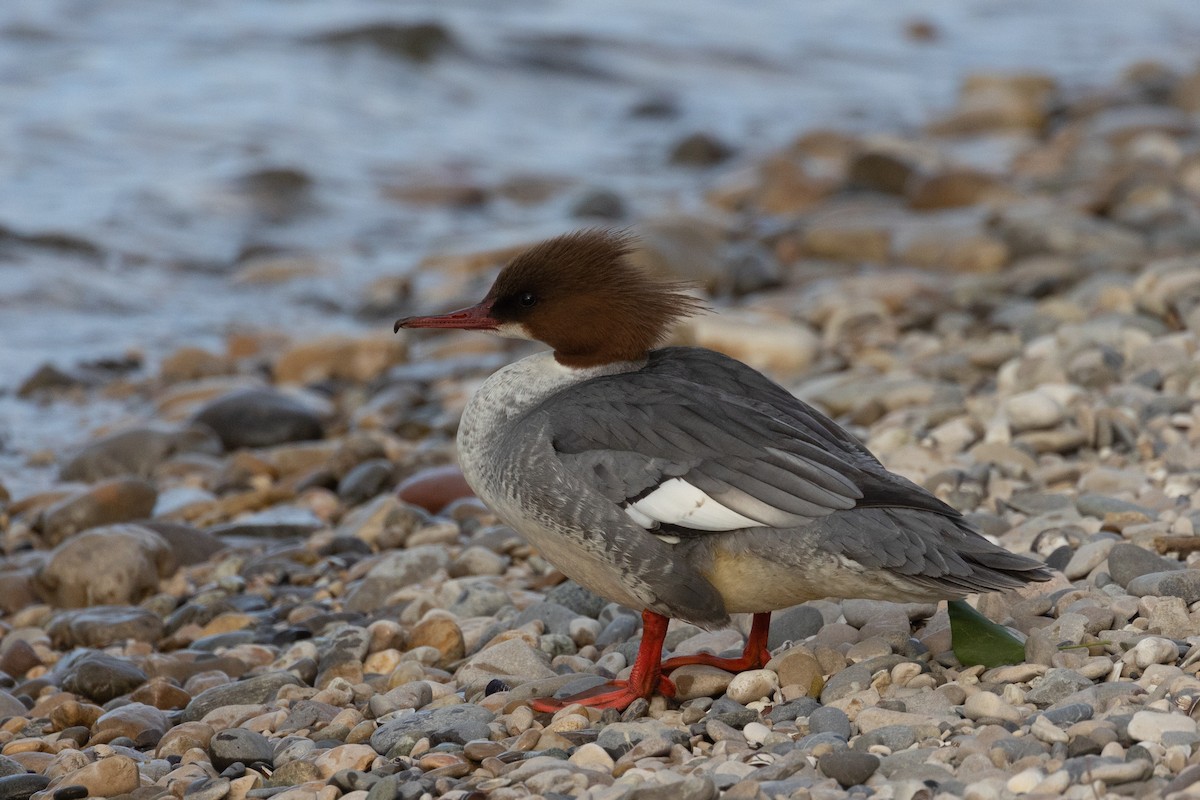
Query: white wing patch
[677,502]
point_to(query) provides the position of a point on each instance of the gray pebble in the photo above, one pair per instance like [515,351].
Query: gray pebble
[619,737]
[856,677]
[459,724]
[599,203]
[1184,583]
[479,599]
[1091,504]
[258,689]
[278,522]
[814,739]
[366,480]
[1112,771]
[848,768]
[1015,748]
[239,744]
[801,707]
[1127,561]
[731,712]
[393,571]
[188,545]
[307,715]
[621,629]
[583,602]
[1069,714]
[828,719]
[1186,777]
[556,618]
[794,625]
[1055,685]
[23,786]
[893,737]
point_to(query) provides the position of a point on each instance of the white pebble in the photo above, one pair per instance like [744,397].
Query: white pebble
[1047,731]
[752,685]
[985,705]
[755,732]
[1152,650]
[1149,726]
[1033,410]
[1025,781]
[1055,784]
[592,756]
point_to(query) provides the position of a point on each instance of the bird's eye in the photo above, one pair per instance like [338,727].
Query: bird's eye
[527,299]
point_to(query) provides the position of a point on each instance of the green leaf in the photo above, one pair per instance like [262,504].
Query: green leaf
[978,640]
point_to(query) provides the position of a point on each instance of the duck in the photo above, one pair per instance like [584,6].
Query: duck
[680,482]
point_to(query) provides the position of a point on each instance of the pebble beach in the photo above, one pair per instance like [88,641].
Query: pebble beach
[263,576]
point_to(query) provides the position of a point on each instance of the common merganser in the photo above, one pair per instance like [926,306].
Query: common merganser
[679,481]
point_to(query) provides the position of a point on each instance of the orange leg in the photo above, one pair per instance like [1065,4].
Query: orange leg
[645,679]
[755,656]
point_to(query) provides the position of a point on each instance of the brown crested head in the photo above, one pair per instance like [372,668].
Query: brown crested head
[580,294]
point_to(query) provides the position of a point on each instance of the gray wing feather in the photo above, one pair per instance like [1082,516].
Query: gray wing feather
[766,456]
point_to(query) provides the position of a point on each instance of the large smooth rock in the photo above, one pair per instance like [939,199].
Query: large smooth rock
[99,676]
[1127,561]
[513,660]
[259,689]
[102,626]
[136,452]
[106,503]
[1183,583]
[259,418]
[112,565]
[395,571]
[459,724]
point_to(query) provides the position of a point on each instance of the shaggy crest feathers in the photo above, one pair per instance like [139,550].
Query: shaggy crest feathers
[580,294]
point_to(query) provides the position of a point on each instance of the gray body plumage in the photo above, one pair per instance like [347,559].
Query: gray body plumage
[577,461]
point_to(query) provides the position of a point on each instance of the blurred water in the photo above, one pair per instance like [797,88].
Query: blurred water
[131,132]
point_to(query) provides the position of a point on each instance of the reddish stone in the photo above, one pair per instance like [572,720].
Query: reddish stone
[435,488]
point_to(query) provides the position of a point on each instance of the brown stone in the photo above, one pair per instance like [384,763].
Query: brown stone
[276,268]
[998,102]
[854,244]
[955,189]
[161,693]
[116,564]
[785,187]
[184,737]
[72,713]
[339,357]
[18,656]
[1186,94]
[106,503]
[433,193]
[971,253]
[881,171]
[444,635]
[798,667]
[190,364]
[107,777]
